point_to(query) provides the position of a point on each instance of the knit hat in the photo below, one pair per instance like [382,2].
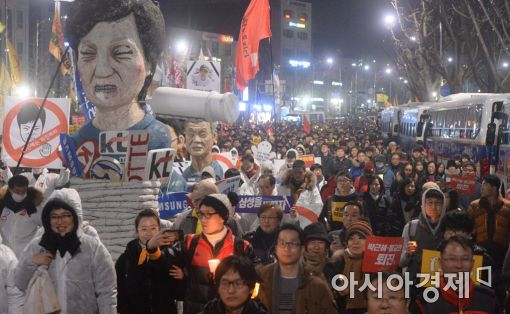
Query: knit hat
[221,203]
[202,189]
[369,166]
[316,231]
[210,171]
[361,227]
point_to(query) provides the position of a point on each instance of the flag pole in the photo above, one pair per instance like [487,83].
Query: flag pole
[41,108]
[272,83]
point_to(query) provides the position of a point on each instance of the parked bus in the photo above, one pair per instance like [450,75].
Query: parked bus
[408,123]
[389,123]
[465,124]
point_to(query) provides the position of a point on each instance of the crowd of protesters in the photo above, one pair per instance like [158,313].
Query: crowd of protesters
[269,262]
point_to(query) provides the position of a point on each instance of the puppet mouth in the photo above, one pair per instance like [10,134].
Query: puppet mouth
[107,89]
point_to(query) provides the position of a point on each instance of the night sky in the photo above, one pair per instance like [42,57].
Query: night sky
[352,26]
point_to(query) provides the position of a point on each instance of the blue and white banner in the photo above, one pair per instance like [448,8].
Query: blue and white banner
[88,108]
[171,204]
[69,153]
[252,203]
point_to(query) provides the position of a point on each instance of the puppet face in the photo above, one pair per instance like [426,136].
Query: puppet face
[112,64]
[199,138]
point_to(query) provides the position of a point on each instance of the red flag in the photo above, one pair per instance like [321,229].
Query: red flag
[254,27]
[306,125]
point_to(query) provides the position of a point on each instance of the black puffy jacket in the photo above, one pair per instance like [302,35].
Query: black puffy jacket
[146,288]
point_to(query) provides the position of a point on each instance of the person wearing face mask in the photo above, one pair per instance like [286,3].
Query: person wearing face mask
[45,181]
[20,217]
[79,266]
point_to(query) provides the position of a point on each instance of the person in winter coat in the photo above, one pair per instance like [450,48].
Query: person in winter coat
[455,261]
[331,214]
[315,255]
[80,267]
[349,261]
[20,217]
[301,185]
[377,207]
[405,205]
[286,287]
[264,238]
[424,232]
[216,241]
[250,173]
[11,298]
[341,163]
[143,281]
[235,280]
[45,181]
[72,197]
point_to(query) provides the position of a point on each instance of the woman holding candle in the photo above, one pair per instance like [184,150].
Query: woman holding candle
[235,279]
[216,242]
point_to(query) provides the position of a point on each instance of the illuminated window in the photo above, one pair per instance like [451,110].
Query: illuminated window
[287,14]
[303,17]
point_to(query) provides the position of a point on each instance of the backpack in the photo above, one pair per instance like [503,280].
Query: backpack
[238,246]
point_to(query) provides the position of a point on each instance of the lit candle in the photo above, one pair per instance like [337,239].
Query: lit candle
[255,290]
[213,263]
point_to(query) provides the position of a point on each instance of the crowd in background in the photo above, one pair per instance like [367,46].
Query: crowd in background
[272,261]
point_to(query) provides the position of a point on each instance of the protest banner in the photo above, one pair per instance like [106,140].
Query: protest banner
[69,153]
[87,152]
[203,75]
[307,214]
[113,143]
[159,163]
[224,159]
[262,152]
[308,159]
[464,185]
[229,185]
[172,204]
[430,265]
[136,156]
[19,117]
[337,215]
[251,203]
[382,253]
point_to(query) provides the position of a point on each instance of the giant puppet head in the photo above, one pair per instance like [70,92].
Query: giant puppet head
[118,43]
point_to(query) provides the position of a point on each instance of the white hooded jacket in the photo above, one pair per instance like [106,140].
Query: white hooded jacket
[85,283]
[11,298]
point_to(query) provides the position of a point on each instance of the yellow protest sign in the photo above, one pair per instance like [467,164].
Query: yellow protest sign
[430,265]
[336,211]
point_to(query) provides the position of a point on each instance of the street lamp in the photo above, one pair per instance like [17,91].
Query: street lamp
[505,64]
[329,60]
[181,46]
[389,20]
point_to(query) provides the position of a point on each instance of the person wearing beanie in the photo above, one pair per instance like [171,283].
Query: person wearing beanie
[349,262]
[216,241]
[422,233]
[361,183]
[315,255]
[79,266]
[301,185]
[188,220]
